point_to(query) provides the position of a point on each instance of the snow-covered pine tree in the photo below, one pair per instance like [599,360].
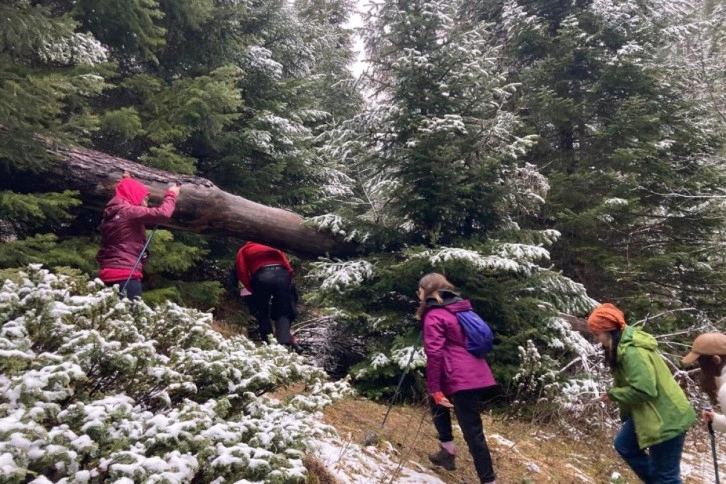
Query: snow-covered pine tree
[225,90]
[697,57]
[636,180]
[49,71]
[430,179]
[331,81]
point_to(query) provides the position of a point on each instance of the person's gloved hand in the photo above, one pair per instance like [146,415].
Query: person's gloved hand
[440,399]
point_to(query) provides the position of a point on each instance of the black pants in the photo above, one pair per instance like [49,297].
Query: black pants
[467,407]
[133,288]
[272,299]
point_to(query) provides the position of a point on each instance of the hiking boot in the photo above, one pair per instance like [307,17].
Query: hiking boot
[444,459]
[296,347]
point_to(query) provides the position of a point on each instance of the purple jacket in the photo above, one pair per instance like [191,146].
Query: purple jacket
[450,368]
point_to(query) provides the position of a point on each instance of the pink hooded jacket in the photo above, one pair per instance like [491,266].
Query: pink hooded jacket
[450,368]
[123,231]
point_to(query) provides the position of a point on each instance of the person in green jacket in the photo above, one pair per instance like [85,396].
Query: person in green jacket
[655,411]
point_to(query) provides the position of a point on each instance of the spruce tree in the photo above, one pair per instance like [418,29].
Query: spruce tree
[48,73]
[331,81]
[219,89]
[429,177]
[635,183]
[696,57]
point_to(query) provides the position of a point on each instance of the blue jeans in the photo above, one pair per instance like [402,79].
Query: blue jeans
[662,463]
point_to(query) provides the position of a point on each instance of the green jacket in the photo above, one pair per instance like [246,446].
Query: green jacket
[645,390]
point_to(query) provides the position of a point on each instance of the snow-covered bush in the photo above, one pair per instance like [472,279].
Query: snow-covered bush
[551,388]
[94,387]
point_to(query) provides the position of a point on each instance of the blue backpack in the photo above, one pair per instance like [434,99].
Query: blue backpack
[479,336]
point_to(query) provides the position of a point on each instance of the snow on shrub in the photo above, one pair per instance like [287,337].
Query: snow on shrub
[95,388]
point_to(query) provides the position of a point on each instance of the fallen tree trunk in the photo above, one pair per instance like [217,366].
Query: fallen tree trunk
[202,207]
[576,323]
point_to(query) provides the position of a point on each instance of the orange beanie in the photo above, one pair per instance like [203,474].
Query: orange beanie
[606,317]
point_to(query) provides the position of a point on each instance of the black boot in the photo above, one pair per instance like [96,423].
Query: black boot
[444,459]
[296,347]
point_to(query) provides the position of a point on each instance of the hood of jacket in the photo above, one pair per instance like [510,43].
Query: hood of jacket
[637,337]
[128,191]
[449,299]
[132,191]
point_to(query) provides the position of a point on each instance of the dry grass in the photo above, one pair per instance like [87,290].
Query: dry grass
[227,329]
[317,472]
[522,452]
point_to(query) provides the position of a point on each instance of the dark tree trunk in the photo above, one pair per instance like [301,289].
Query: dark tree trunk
[576,323]
[201,207]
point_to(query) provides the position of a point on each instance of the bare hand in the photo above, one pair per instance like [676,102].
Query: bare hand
[174,188]
[707,416]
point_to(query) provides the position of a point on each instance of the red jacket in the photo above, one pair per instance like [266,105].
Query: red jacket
[123,234]
[450,368]
[253,256]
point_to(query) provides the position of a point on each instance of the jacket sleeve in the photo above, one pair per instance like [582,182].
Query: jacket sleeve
[719,421]
[243,273]
[639,375]
[434,340]
[150,215]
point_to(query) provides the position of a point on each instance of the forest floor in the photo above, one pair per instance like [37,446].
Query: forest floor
[523,452]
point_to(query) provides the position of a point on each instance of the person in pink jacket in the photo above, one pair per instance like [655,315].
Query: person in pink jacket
[454,377]
[123,233]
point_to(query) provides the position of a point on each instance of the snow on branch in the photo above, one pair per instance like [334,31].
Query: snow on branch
[336,225]
[76,49]
[260,59]
[491,263]
[339,275]
[563,293]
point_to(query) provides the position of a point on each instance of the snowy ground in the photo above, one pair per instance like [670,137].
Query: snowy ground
[697,461]
[351,463]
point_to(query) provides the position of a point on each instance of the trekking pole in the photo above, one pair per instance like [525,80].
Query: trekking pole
[141,255]
[713,447]
[398,388]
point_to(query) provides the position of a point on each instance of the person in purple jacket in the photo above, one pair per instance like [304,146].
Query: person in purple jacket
[123,232]
[454,377]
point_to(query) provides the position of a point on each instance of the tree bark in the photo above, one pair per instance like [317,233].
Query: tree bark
[577,324]
[201,207]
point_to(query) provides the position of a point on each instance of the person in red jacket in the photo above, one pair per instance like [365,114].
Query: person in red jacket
[123,233]
[266,273]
